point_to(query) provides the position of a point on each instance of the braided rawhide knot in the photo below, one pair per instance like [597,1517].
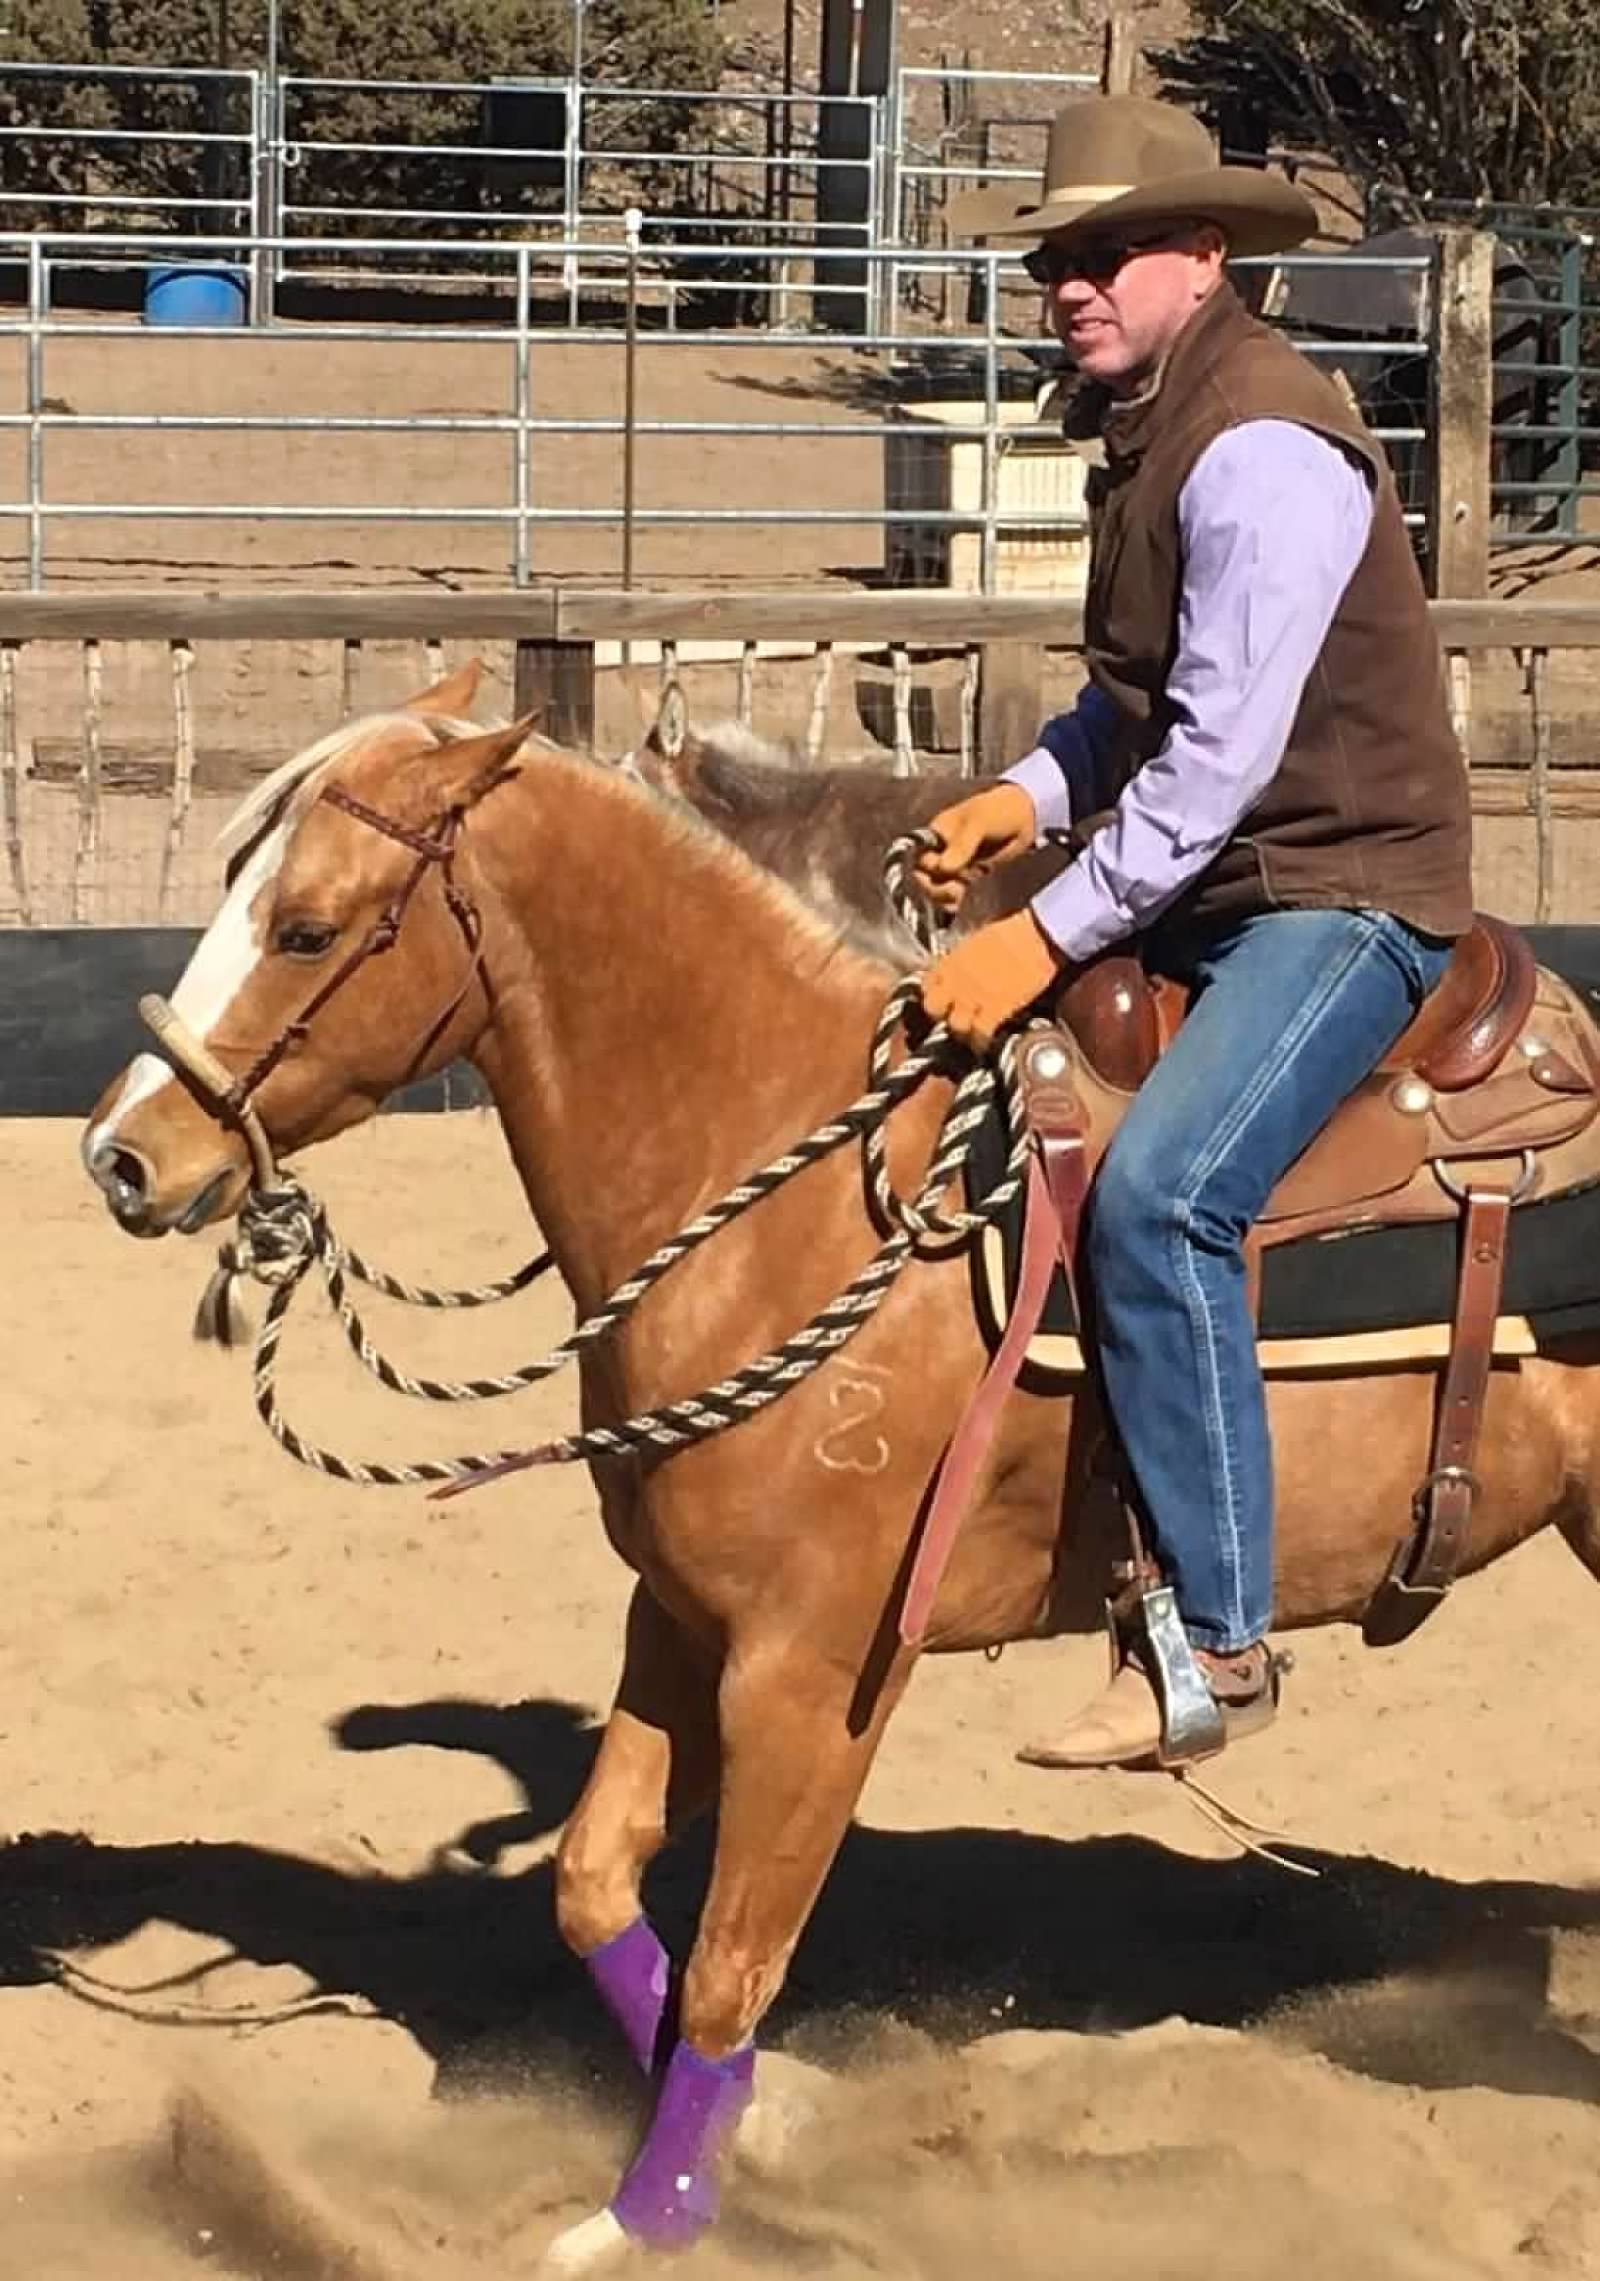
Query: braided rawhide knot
[280,1232]
[275,1241]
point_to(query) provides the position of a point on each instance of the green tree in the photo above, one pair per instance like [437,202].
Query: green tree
[629,43]
[1483,100]
[79,35]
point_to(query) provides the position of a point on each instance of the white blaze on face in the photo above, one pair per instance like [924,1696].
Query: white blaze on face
[223,962]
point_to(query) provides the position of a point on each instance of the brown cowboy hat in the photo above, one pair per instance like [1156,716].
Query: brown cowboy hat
[1113,161]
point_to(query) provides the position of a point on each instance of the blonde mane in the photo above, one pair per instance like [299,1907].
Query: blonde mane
[833,930]
[817,916]
[302,775]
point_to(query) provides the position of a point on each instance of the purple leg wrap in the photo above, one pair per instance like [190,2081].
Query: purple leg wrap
[631,1973]
[669,2195]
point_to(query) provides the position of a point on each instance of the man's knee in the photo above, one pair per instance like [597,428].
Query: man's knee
[1132,1203]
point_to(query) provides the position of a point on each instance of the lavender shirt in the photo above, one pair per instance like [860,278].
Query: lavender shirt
[1273,519]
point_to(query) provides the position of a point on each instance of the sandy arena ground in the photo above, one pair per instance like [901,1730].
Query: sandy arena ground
[256,1728]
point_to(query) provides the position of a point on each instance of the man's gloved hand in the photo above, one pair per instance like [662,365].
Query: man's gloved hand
[977,987]
[979,834]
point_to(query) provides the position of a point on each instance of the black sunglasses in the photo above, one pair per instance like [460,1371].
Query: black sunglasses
[1098,259]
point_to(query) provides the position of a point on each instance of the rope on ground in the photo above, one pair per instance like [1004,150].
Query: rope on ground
[132,2003]
[1250,1837]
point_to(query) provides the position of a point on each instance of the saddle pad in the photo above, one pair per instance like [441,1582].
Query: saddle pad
[1356,1299]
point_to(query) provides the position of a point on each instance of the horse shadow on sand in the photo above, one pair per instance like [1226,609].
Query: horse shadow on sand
[1398,1973]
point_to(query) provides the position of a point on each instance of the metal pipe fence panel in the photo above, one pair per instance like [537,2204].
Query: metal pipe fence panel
[1546,313]
[519,410]
[739,170]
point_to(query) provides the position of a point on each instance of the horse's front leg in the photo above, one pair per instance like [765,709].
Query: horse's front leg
[655,1770]
[796,1746]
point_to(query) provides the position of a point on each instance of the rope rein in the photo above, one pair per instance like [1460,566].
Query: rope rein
[237,1261]
[284,1230]
[218,1317]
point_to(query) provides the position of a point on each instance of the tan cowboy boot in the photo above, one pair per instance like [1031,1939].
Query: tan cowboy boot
[1122,1726]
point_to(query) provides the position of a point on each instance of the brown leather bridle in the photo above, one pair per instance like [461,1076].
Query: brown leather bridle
[232,1096]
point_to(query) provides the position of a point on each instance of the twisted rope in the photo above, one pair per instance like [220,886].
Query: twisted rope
[923,921]
[139,2004]
[284,1231]
[219,1318]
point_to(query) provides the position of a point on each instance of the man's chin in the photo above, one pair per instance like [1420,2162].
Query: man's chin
[1097,357]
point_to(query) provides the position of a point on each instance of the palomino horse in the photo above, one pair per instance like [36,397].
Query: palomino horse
[654,1015]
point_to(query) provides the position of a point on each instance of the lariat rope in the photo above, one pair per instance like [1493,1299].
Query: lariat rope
[218,1318]
[284,1230]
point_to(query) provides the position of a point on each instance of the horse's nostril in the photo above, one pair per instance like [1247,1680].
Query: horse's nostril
[119,1172]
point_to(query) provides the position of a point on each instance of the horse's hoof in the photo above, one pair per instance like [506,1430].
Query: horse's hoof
[598,2242]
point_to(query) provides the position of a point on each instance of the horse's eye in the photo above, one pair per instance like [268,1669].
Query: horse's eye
[305,938]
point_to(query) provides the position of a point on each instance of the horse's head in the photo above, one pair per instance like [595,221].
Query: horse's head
[343,962]
[725,772]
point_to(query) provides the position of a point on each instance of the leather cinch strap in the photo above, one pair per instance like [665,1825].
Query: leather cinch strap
[1057,1185]
[1425,1566]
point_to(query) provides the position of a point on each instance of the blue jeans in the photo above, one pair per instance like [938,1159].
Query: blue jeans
[1288,1013]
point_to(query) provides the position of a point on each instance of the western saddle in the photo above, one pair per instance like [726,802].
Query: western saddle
[1489,1099]
[1500,1070]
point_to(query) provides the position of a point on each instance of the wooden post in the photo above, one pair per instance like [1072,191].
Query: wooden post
[821,696]
[556,681]
[1010,703]
[11,782]
[85,865]
[182,656]
[1538,673]
[1121,54]
[1461,403]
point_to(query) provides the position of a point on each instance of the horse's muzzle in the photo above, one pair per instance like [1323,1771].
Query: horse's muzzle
[127,1182]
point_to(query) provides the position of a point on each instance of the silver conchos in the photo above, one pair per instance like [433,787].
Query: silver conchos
[1047,1060]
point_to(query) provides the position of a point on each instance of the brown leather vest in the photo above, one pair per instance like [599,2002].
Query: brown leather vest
[1369,805]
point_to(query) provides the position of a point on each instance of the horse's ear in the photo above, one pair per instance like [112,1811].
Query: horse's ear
[467,767]
[671,731]
[452,697]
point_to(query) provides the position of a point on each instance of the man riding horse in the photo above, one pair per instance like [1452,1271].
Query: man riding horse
[1289,831]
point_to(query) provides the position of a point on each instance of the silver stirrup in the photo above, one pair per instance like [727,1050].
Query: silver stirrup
[1192,1725]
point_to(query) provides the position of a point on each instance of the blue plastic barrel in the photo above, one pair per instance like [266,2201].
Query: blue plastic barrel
[194,293]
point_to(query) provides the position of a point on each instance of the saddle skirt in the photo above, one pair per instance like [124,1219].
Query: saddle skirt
[1495,1085]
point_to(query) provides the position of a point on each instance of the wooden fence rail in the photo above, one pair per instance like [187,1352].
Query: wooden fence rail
[998,655]
[919,617]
